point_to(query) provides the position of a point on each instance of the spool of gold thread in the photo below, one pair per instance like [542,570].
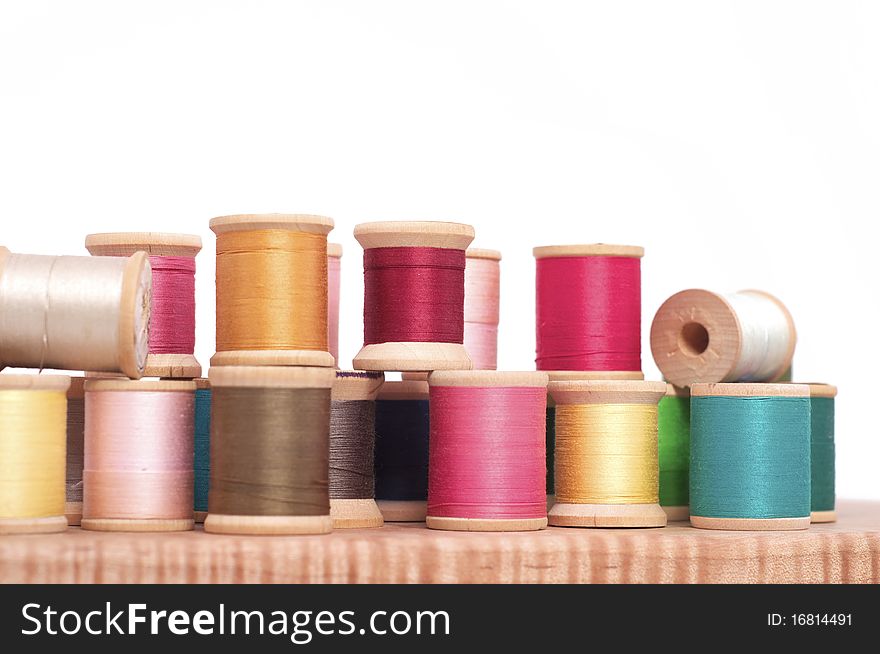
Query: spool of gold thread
[607,469]
[272,290]
[33,433]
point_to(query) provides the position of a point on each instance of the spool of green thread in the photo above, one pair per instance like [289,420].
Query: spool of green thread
[750,456]
[674,433]
[822,452]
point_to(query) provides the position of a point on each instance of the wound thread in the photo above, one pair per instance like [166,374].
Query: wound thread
[674,425]
[482,281]
[173,315]
[76,419]
[352,441]
[401,455]
[202,446]
[334,281]
[822,473]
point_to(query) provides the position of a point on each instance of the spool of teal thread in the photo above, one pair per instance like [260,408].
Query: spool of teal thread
[674,435]
[202,450]
[822,452]
[750,456]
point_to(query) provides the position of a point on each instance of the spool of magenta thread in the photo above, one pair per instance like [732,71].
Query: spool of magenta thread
[487,459]
[588,307]
[413,296]
[173,304]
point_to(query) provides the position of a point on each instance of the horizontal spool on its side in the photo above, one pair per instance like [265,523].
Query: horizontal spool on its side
[98,515]
[155,244]
[350,513]
[266,379]
[673,419]
[698,336]
[32,493]
[413,394]
[75,313]
[822,504]
[413,355]
[477,382]
[75,434]
[602,393]
[730,438]
[235,355]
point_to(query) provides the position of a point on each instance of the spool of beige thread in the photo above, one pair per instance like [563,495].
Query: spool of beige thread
[75,313]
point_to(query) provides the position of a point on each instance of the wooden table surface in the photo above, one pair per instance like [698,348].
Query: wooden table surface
[847,551]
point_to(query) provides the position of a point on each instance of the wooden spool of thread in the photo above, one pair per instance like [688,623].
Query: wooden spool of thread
[588,307]
[173,307]
[75,313]
[272,290]
[606,454]
[487,459]
[201,449]
[482,291]
[674,433]
[413,295]
[138,473]
[750,456]
[822,453]
[401,457]
[352,446]
[33,419]
[270,431]
[704,337]
[76,423]
[334,282]
[550,422]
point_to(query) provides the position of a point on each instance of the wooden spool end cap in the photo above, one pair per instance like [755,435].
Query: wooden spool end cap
[482,253]
[334,250]
[479,524]
[199,517]
[354,385]
[413,357]
[582,375]
[77,388]
[290,221]
[139,385]
[281,358]
[134,316]
[202,384]
[145,525]
[748,389]
[590,250]
[271,377]
[172,366]
[819,517]
[355,514]
[751,524]
[403,510]
[257,525]
[40,382]
[822,390]
[488,378]
[161,244]
[73,512]
[677,391]
[427,234]
[607,392]
[49,525]
[607,515]
[677,513]
[415,376]
[408,389]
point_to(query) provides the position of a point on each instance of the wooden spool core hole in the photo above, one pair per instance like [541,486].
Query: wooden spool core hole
[693,339]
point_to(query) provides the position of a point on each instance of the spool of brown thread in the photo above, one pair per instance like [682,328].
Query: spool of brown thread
[76,420]
[269,450]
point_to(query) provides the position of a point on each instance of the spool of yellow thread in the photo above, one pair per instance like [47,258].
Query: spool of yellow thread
[607,470]
[272,290]
[33,436]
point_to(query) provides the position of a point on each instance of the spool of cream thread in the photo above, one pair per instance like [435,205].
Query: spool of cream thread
[482,292]
[334,282]
[621,395]
[703,337]
[76,421]
[75,313]
[362,388]
[32,448]
[155,244]
[138,473]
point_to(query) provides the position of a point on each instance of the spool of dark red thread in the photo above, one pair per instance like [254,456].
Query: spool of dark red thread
[413,296]
[487,460]
[588,307]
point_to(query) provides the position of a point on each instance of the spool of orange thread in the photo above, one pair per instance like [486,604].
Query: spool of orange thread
[272,290]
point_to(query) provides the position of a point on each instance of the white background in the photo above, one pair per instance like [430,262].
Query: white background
[738,142]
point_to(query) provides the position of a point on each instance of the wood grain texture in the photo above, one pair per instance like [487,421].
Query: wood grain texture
[846,551]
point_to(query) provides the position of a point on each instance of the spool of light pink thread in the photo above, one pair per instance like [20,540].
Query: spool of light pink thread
[173,305]
[138,465]
[334,265]
[482,283]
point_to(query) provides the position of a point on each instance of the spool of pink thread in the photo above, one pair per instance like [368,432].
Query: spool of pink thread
[173,305]
[334,265]
[138,466]
[482,287]
[486,469]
